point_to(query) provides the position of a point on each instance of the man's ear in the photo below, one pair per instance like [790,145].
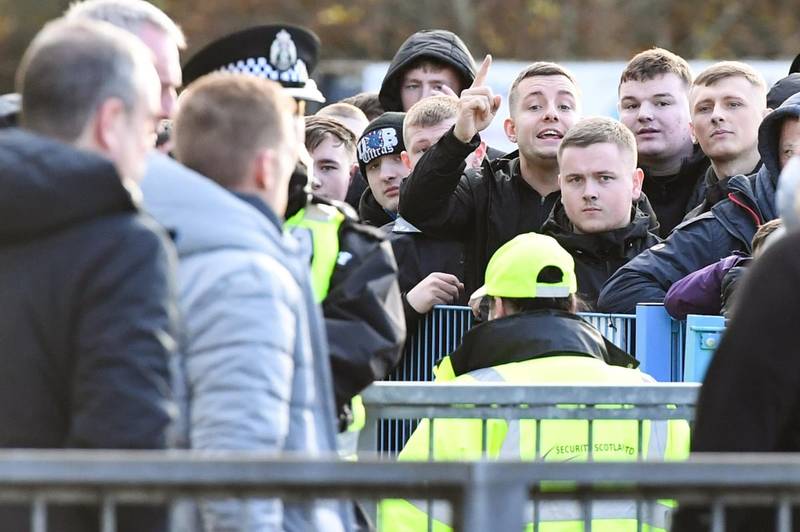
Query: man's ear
[106,125]
[353,172]
[406,160]
[510,129]
[638,180]
[262,169]
[500,310]
[691,132]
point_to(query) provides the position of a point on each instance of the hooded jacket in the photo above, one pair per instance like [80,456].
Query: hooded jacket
[441,45]
[712,190]
[729,226]
[254,372]
[89,321]
[597,256]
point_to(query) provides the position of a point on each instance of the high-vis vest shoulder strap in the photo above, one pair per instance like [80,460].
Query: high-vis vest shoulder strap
[317,229]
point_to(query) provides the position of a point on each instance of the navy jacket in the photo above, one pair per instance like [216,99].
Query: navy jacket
[729,226]
[88,321]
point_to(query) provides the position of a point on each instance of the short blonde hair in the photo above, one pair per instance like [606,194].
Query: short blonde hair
[599,130]
[728,69]
[224,119]
[429,112]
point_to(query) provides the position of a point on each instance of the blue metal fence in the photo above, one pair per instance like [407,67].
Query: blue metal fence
[668,349]
[440,333]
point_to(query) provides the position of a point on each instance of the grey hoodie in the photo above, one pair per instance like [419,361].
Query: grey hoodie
[254,368]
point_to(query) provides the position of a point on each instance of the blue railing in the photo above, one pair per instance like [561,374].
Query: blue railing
[669,350]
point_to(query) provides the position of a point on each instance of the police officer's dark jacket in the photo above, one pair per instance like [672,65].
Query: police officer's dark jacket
[363,309]
[531,335]
[729,226]
[597,256]
[88,321]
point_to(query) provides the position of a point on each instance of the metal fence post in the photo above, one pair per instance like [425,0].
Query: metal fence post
[491,502]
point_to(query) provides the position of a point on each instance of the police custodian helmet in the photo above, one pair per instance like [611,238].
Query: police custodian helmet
[282,53]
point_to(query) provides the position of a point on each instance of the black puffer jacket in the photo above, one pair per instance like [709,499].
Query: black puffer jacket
[88,320]
[442,45]
[728,227]
[598,256]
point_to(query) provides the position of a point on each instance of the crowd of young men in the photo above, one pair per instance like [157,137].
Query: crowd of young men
[228,297]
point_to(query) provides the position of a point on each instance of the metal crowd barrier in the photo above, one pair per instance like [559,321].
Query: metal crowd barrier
[483,495]
[415,401]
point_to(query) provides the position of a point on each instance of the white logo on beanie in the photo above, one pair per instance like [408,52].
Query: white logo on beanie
[377,143]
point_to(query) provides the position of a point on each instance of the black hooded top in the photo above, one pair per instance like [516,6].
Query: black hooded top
[673,196]
[441,45]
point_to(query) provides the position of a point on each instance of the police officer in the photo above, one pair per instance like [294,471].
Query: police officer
[533,336]
[354,272]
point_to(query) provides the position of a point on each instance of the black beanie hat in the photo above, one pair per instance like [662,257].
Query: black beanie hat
[383,136]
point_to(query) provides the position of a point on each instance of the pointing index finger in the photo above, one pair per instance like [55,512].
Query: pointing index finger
[480,77]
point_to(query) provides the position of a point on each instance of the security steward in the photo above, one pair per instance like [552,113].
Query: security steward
[533,336]
[353,269]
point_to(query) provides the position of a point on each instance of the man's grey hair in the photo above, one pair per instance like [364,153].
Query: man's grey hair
[129,15]
[71,68]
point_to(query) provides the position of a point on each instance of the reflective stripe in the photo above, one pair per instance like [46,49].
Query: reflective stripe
[558,511]
[487,375]
[657,446]
[561,511]
[657,515]
[440,510]
[510,447]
